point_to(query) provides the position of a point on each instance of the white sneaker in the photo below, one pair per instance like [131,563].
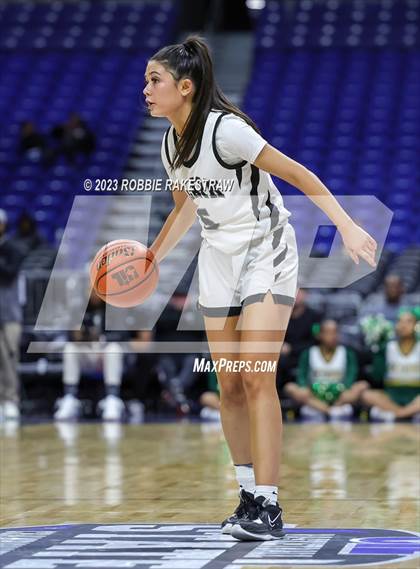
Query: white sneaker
[136,411]
[307,412]
[68,408]
[341,412]
[11,411]
[209,414]
[112,408]
[381,415]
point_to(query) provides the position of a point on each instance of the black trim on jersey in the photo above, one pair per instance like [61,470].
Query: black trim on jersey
[208,223]
[191,161]
[217,155]
[255,180]
[280,257]
[239,176]
[274,217]
[269,205]
[277,237]
[219,310]
[277,298]
[251,299]
[168,158]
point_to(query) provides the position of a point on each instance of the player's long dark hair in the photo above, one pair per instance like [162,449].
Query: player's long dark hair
[192,59]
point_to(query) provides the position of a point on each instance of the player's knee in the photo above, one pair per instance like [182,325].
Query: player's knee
[296,392]
[231,389]
[367,396]
[290,388]
[299,394]
[360,385]
[210,399]
[256,383]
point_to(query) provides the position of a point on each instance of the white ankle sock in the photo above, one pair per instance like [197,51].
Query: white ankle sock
[269,492]
[245,477]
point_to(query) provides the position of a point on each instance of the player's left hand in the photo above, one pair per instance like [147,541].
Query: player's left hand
[359,243]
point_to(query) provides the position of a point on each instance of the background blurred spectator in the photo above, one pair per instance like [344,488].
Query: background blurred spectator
[397,370]
[327,377]
[85,357]
[210,399]
[389,303]
[299,336]
[74,138]
[141,368]
[11,257]
[27,234]
[32,144]
[175,371]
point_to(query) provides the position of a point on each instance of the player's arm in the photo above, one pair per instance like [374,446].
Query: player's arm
[178,222]
[357,242]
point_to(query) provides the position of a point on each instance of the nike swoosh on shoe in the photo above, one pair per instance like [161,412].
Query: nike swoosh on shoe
[272,522]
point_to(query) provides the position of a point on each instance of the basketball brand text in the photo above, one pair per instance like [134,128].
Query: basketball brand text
[106,259]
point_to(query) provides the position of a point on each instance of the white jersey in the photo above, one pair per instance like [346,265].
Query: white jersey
[327,371]
[237,202]
[402,369]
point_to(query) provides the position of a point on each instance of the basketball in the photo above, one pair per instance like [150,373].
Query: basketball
[124,273]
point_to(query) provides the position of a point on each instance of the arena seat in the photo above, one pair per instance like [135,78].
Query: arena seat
[61,57]
[350,115]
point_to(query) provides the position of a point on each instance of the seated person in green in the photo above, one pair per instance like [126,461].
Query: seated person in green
[327,383]
[210,399]
[397,369]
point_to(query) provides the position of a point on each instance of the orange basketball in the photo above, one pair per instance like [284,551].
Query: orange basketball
[124,273]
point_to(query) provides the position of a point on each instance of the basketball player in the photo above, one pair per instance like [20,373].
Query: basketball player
[248,260]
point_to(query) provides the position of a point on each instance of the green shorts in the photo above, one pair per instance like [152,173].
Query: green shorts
[402,395]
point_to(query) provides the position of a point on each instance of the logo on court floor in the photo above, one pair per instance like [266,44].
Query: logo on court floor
[170,546]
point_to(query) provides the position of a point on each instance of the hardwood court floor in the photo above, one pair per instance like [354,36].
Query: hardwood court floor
[335,476]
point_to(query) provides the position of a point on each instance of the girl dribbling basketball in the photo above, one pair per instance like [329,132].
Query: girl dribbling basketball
[248,259]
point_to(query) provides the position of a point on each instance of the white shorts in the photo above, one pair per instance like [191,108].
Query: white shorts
[229,282]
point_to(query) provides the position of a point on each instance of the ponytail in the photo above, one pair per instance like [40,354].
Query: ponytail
[192,59]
